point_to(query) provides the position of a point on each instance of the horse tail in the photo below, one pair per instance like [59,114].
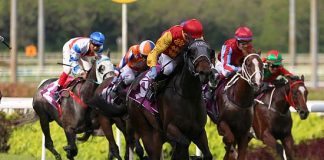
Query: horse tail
[107,109]
[29,118]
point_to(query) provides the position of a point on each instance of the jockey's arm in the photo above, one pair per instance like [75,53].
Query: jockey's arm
[285,72]
[161,45]
[127,57]
[226,55]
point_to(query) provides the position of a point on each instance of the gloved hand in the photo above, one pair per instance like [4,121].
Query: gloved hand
[282,79]
[239,69]
[76,70]
[152,74]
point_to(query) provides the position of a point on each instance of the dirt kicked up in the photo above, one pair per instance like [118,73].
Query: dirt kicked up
[307,150]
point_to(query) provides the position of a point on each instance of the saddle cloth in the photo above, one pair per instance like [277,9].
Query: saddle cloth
[46,92]
[139,95]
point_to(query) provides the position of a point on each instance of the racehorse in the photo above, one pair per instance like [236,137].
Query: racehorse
[75,116]
[272,119]
[182,113]
[234,99]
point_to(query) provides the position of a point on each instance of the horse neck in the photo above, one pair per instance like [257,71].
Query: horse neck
[188,85]
[241,93]
[279,102]
[88,86]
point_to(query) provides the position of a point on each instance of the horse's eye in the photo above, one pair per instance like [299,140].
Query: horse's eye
[101,69]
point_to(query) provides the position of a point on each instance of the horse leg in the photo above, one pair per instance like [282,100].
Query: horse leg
[202,144]
[181,142]
[228,140]
[132,142]
[288,144]
[71,149]
[274,147]
[242,146]
[180,151]
[48,140]
[106,126]
[153,144]
[138,148]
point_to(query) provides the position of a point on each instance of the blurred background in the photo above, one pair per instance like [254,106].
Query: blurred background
[38,29]
[60,20]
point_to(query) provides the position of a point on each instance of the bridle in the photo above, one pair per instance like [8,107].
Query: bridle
[289,98]
[192,63]
[246,76]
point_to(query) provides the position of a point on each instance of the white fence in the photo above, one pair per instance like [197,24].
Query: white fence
[8,104]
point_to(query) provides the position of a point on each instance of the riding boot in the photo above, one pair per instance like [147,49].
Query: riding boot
[214,79]
[116,90]
[212,84]
[152,89]
[55,92]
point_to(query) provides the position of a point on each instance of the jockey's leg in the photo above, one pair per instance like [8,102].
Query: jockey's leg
[168,65]
[64,75]
[55,92]
[119,84]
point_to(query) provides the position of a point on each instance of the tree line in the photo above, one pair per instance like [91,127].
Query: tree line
[147,19]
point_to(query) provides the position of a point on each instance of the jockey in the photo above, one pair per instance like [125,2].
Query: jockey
[132,64]
[170,44]
[232,53]
[273,68]
[79,52]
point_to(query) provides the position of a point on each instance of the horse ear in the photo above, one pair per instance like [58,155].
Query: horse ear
[212,53]
[259,52]
[302,77]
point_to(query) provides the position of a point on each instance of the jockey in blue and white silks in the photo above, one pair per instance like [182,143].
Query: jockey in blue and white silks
[79,51]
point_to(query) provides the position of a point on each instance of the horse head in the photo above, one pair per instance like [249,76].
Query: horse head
[101,69]
[197,58]
[297,95]
[252,70]
[104,69]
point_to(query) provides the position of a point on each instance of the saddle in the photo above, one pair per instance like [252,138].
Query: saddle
[69,86]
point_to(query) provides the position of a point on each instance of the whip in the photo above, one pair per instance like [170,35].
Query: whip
[4,42]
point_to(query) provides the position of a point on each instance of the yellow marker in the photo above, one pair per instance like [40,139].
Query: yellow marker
[124,1]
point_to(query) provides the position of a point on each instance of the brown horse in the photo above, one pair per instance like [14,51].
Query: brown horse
[272,120]
[75,116]
[235,100]
[182,113]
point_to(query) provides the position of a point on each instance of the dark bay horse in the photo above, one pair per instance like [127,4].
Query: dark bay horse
[272,120]
[182,113]
[235,100]
[106,121]
[75,116]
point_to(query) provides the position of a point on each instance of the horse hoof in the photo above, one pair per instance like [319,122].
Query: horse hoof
[58,157]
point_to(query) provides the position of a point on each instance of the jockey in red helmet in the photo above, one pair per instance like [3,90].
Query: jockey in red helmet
[232,54]
[234,50]
[171,43]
